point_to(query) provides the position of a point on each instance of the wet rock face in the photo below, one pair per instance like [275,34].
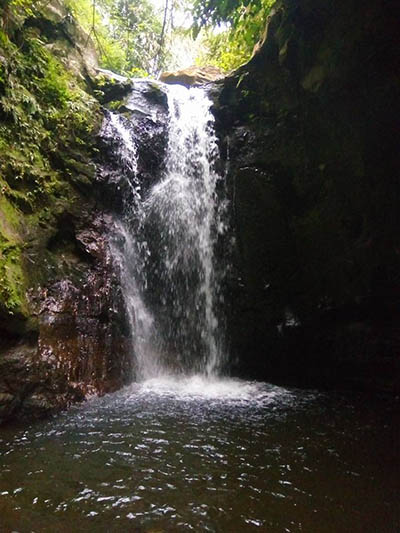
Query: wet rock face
[30,388]
[63,331]
[82,328]
[76,339]
[309,126]
[82,344]
[147,111]
[144,112]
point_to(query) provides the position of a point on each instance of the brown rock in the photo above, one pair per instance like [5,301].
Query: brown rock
[193,76]
[81,322]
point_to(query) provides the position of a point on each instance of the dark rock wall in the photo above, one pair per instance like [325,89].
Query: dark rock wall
[310,129]
[76,337]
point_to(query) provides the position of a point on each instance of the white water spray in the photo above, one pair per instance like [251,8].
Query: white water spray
[166,245]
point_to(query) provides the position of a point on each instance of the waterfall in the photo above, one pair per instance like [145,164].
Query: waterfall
[166,243]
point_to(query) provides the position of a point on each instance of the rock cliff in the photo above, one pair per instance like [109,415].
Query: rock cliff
[62,329]
[193,76]
[309,127]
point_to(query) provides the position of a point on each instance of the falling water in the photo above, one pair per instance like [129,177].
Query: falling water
[166,244]
[130,249]
[183,208]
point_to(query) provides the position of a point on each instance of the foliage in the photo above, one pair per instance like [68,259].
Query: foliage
[13,12]
[223,50]
[111,54]
[214,12]
[245,21]
[137,28]
[126,33]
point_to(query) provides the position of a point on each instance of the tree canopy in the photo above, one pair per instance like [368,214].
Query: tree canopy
[142,37]
[126,33]
[218,11]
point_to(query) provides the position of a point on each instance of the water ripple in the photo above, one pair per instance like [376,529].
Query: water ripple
[195,456]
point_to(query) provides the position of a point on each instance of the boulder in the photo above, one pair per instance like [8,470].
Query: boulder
[193,76]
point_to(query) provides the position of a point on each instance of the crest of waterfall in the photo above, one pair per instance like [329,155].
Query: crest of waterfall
[166,243]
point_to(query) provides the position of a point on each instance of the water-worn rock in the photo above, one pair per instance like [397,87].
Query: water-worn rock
[80,341]
[31,388]
[110,86]
[82,345]
[144,112]
[81,321]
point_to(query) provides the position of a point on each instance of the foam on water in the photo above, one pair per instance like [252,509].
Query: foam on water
[198,387]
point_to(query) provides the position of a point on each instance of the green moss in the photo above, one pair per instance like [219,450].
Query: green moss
[9,217]
[45,114]
[115,105]
[12,279]
[12,286]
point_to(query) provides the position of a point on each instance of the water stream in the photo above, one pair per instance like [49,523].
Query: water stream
[184,212]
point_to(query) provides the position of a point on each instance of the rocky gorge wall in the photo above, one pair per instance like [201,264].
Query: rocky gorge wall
[63,334]
[308,135]
[309,128]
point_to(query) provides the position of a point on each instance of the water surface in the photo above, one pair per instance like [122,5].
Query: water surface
[205,455]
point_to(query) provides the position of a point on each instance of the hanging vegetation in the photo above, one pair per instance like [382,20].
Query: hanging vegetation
[241,24]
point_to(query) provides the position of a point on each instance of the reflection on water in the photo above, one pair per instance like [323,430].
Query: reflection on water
[197,455]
